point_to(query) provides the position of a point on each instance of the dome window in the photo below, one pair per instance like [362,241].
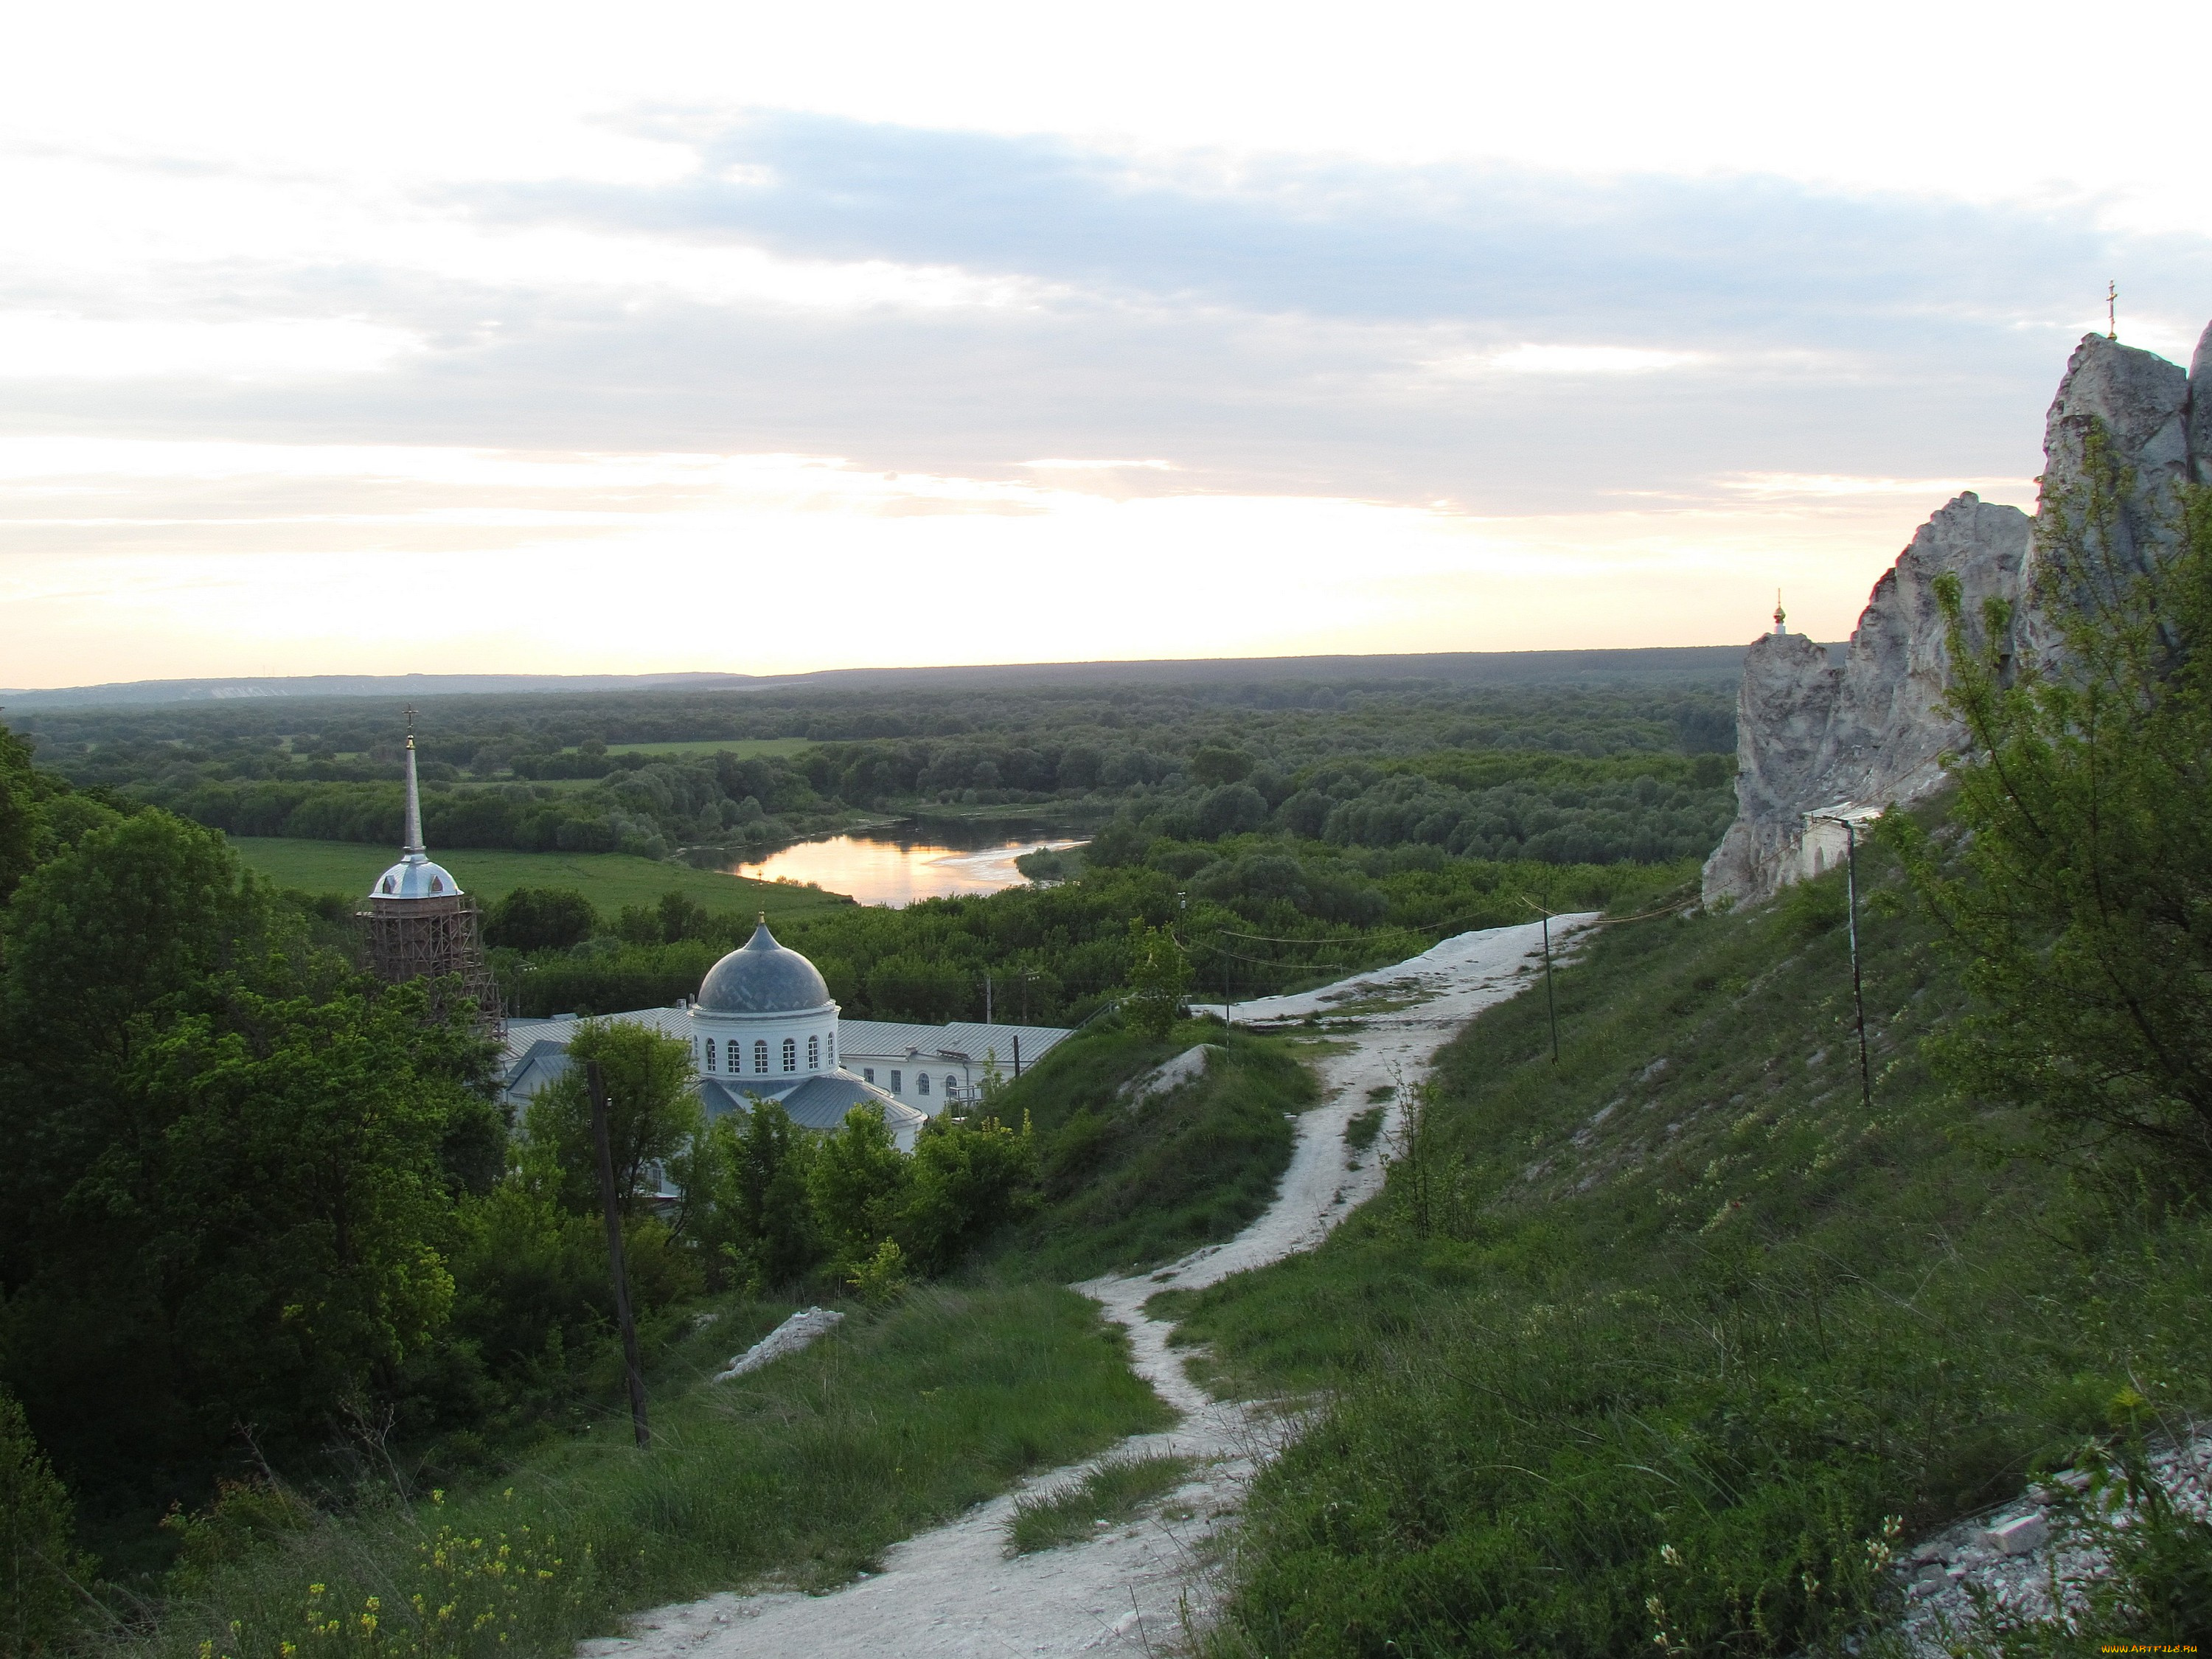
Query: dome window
[791,1054]
[710,1054]
[759,1058]
[814,1054]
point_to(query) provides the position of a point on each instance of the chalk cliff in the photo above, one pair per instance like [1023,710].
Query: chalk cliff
[1813,738]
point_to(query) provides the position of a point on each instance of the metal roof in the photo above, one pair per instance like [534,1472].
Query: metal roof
[961,1040]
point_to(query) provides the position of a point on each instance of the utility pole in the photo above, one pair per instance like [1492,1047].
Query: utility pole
[1851,925]
[601,1146]
[1551,1002]
[987,1020]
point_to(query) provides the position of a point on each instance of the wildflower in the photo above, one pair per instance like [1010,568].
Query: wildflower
[1670,1555]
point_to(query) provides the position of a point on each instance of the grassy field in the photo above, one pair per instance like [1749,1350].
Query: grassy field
[1668,1346]
[609,880]
[804,1472]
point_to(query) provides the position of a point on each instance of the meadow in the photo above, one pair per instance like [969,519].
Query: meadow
[609,880]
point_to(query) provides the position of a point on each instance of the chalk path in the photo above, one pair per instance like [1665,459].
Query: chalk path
[1129,1590]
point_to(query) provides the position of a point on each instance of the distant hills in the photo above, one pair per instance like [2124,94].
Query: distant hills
[1697,662]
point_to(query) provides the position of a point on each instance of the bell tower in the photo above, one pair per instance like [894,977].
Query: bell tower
[420,924]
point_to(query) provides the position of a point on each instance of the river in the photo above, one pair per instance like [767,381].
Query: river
[897,865]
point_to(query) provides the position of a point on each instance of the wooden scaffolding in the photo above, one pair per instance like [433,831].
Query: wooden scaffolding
[405,938]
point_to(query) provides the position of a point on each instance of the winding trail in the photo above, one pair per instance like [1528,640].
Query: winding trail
[1129,1590]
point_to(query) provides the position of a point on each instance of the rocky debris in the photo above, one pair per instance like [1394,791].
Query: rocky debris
[795,1332]
[2009,1561]
[1169,1075]
[1813,737]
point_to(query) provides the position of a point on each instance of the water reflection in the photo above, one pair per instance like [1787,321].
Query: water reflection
[896,866]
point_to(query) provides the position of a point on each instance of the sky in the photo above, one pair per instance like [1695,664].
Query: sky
[568,338]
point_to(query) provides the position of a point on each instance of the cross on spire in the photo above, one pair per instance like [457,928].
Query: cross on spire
[409,712]
[2112,311]
[1778,617]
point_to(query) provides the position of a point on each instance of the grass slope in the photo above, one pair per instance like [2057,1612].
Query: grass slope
[801,1473]
[609,880]
[1126,1187]
[1671,1343]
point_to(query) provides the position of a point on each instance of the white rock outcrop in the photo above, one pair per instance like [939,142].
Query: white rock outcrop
[800,1331]
[1813,737]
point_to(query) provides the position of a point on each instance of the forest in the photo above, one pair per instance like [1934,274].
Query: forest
[1556,773]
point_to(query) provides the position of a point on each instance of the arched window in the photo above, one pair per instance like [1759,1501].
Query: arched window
[760,1057]
[921,1083]
[814,1054]
[833,1049]
[710,1054]
[791,1054]
[951,1086]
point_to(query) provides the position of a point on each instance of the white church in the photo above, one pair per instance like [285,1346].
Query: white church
[765,1027]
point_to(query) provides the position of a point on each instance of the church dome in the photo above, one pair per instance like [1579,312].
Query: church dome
[415,877]
[763,978]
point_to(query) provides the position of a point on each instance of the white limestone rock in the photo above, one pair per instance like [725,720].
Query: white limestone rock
[1873,733]
[801,1330]
[1810,735]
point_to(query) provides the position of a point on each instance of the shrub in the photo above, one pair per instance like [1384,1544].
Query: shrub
[40,1568]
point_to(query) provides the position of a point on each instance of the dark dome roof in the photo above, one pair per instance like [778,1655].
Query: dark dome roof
[763,978]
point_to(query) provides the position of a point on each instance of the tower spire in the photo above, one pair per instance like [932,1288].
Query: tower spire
[414,851]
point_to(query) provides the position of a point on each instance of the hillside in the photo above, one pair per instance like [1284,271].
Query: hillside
[1480,667]
[1644,1347]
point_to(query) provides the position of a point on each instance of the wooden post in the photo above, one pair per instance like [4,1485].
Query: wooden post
[602,1146]
[1018,1056]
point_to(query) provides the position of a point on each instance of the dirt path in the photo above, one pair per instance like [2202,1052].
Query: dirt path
[954,1591]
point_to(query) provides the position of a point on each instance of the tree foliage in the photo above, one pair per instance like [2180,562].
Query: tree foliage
[2081,894]
[653,1115]
[1159,975]
[41,1570]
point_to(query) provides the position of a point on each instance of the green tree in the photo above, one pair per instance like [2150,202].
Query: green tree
[2080,896]
[653,1115]
[772,1203]
[1159,975]
[40,1567]
[295,1202]
[138,913]
[968,1179]
[746,1203]
[1213,764]
[540,919]
[19,819]
[857,1182]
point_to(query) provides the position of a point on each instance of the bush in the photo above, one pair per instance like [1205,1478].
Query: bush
[40,1568]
